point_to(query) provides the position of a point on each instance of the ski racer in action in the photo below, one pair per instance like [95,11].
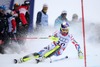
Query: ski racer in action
[56,48]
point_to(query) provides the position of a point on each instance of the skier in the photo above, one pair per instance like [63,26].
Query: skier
[56,48]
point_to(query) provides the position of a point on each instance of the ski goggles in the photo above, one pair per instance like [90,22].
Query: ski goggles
[64,29]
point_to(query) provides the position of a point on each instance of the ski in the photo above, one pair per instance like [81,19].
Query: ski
[17,61]
[56,60]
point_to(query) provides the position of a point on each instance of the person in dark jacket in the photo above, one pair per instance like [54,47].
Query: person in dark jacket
[42,17]
[3,28]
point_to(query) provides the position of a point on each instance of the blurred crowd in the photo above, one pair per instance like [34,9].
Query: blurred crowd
[13,24]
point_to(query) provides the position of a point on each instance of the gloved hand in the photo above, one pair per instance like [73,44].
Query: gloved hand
[54,38]
[80,54]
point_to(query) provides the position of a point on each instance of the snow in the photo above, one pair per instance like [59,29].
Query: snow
[34,45]
[92,36]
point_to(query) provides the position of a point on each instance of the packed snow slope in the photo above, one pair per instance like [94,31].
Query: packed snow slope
[34,45]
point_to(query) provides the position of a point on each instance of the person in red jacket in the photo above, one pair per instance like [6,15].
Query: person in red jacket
[22,21]
[23,9]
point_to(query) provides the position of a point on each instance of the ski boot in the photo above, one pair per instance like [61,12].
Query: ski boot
[37,57]
[17,61]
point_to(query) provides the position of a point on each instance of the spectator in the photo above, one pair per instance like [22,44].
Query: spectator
[18,21]
[22,20]
[11,23]
[3,28]
[23,9]
[75,17]
[62,18]
[42,17]
[16,5]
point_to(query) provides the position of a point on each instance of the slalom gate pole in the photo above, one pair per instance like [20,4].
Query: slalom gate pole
[83,29]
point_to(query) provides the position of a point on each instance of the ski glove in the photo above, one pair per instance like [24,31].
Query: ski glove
[80,54]
[53,38]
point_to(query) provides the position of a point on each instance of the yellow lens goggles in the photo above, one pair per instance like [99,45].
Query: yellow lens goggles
[65,29]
